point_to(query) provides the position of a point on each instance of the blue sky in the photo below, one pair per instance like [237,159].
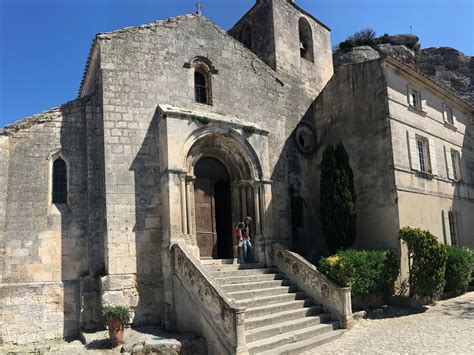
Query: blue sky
[44,43]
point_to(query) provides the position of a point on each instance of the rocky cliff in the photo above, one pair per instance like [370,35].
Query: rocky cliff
[447,66]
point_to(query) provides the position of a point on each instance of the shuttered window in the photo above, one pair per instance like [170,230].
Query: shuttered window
[422,153]
[453,163]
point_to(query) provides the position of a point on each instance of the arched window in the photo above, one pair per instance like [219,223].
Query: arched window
[306,40]
[202,85]
[59,181]
[246,36]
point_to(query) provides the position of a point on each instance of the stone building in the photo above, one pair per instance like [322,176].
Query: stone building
[125,195]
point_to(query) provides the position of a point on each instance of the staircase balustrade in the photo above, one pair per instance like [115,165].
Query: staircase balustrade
[221,312]
[335,299]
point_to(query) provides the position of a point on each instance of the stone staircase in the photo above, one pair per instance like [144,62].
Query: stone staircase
[279,318]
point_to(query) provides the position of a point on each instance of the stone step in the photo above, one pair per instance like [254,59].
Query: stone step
[257,293]
[235,273]
[289,326]
[250,278]
[286,315]
[209,261]
[273,342]
[304,345]
[247,286]
[229,267]
[262,301]
[259,311]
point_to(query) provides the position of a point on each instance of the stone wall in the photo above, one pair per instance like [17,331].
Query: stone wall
[44,245]
[4,152]
[361,121]
[40,311]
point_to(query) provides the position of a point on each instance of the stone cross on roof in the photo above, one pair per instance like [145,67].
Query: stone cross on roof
[198,8]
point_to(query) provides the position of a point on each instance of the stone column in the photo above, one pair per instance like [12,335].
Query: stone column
[243,194]
[184,216]
[256,199]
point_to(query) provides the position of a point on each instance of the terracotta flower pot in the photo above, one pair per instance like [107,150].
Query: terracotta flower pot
[116,331]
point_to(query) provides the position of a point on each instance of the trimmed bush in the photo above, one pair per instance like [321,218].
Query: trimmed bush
[338,210]
[458,269]
[365,271]
[471,252]
[427,262]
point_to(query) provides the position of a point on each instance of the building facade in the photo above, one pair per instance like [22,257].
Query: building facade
[182,129]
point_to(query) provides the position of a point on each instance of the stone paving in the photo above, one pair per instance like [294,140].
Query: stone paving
[444,328]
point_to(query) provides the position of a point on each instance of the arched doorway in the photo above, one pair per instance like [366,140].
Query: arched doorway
[212,195]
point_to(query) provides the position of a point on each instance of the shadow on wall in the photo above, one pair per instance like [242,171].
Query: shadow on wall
[70,219]
[463,203]
[147,227]
[296,184]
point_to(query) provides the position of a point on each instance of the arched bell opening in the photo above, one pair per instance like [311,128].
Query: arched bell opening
[222,186]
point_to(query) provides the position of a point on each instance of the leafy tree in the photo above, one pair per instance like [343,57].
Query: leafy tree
[338,212]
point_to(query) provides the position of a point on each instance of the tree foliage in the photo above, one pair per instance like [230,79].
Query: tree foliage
[427,262]
[338,212]
[459,269]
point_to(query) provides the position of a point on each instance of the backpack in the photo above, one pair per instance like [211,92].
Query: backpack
[235,230]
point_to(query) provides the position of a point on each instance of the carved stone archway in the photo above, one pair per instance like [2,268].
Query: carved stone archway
[247,194]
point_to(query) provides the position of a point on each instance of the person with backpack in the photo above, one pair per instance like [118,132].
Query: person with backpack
[243,231]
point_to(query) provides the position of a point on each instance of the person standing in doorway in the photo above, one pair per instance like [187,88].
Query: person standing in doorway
[244,237]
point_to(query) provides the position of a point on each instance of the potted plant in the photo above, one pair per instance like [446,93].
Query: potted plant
[116,318]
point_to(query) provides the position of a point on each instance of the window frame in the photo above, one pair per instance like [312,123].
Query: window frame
[53,156]
[206,73]
[453,228]
[424,157]
[456,164]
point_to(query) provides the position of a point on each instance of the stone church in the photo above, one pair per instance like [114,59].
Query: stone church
[128,194]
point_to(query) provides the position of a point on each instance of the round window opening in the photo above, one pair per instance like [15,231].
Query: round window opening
[306,139]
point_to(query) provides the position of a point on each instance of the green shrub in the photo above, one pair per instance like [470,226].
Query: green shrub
[427,262]
[338,211]
[458,269]
[120,313]
[365,271]
[471,252]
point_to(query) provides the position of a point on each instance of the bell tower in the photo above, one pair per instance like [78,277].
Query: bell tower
[289,40]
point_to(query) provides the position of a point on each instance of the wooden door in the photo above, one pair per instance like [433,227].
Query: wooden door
[205,229]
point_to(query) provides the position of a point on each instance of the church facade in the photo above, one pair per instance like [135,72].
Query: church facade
[181,130]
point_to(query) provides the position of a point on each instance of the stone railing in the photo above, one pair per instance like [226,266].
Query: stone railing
[220,311]
[319,287]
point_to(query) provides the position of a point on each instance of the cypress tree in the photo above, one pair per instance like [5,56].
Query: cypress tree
[338,214]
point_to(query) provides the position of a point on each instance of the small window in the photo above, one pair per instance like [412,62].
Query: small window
[202,86]
[59,181]
[449,115]
[306,40]
[415,98]
[453,228]
[423,154]
[456,161]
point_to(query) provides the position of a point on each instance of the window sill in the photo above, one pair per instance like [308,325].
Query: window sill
[450,126]
[457,181]
[424,175]
[417,110]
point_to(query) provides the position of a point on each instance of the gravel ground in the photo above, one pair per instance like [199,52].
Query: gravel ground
[444,328]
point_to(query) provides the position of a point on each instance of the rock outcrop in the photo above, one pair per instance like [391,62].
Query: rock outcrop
[451,68]
[448,66]
[356,55]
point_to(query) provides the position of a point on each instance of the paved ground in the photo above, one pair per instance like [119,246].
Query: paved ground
[445,328]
